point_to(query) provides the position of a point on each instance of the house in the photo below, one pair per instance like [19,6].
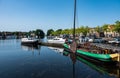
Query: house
[110,31]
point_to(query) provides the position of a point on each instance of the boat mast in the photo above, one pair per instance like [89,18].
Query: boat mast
[73,45]
[74,19]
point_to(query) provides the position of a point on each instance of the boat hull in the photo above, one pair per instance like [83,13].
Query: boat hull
[29,41]
[56,40]
[106,58]
[34,43]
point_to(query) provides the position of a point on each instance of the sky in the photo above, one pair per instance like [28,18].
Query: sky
[26,15]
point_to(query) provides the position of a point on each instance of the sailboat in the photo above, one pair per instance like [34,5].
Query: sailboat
[97,56]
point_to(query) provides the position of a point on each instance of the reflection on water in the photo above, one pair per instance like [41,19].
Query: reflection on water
[57,50]
[20,61]
[31,48]
[73,58]
[113,71]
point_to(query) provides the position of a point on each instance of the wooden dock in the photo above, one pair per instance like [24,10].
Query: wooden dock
[51,44]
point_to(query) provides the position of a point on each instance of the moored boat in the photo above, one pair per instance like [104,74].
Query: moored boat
[103,57]
[86,50]
[29,41]
[56,40]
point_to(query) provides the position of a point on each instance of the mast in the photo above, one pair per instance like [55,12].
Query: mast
[74,19]
[73,44]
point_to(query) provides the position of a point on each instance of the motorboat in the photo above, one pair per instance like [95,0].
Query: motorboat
[29,41]
[56,40]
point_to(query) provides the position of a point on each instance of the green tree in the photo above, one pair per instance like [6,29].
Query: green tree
[98,29]
[54,33]
[105,27]
[63,32]
[67,31]
[87,29]
[58,32]
[49,32]
[84,30]
[117,27]
[40,33]
[78,30]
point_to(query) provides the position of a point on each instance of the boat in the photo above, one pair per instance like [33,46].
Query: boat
[96,56]
[57,40]
[29,41]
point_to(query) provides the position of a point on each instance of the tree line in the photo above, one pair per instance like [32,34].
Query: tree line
[33,33]
[85,29]
[38,32]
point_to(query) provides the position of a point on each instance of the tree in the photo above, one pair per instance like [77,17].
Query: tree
[40,33]
[117,27]
[78,30]
[105,27]
[84,30]
[98,29]
[54,33]
[58,32]
[49,32]
[87,29]
[65,31]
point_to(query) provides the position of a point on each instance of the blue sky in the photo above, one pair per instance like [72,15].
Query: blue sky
[25,15]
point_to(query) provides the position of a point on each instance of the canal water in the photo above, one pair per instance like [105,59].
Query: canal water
[19,61]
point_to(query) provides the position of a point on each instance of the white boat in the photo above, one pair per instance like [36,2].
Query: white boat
[56,40]
[29,41]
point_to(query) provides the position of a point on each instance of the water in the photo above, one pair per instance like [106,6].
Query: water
[18,61]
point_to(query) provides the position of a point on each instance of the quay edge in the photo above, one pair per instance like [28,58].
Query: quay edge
[51,44]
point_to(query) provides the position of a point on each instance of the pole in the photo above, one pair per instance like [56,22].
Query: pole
[73,45]
[74,19]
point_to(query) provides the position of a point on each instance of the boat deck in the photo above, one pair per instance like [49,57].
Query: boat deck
[99,48]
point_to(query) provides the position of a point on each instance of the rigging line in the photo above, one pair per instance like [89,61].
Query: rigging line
[77,17]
